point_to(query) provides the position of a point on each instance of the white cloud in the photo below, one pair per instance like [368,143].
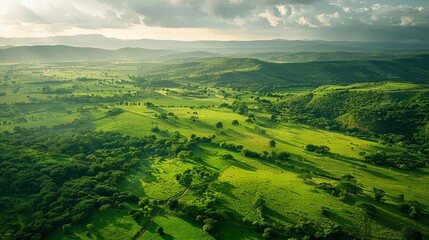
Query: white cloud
[406,21]
[282,9]
[271,18]
[305,22]
[328,19]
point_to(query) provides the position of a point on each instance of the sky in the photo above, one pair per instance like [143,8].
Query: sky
[352,20]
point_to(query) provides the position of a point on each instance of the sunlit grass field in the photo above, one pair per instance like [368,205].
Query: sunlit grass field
[290,195]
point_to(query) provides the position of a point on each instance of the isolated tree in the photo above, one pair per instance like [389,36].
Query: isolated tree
[348,187]
[311,148]
[160,231]
[235,123]
[273,143]
[227,157]
[219,125]
[155,129]
[260,201]
[379,194]
[149,104]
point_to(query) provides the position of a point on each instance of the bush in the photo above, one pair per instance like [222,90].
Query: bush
[227,157]
[318,149]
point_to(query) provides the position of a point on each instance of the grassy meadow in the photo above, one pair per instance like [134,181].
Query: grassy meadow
[102,97]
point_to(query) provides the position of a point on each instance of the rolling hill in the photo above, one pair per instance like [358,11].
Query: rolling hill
[244,72]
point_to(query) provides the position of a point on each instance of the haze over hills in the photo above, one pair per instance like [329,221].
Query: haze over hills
[62,53]
[99,41]
[67,53]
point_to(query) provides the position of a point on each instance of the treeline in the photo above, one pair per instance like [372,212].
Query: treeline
[57,179]
[402,161]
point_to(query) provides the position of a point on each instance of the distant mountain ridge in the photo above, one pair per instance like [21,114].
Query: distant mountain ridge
[62,53]
[67,53]
[99,41]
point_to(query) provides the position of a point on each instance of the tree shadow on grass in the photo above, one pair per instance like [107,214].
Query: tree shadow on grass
[274,215]
[165,236]
[350,160]
[243,166]
[335,217]
[281,141]
[390,215]
[358,163]
[308,165]
[225,188]
[204,163]
[378,174]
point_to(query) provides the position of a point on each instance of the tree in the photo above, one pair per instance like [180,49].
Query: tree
[323,149]
[149,104]
[348,187]
[209,225]
[227,157]
[310,148]
[273,143]
[219,125]
[283,156]
[235,123]
[410,233]
[155,129]
[268,233]
[185,179]
[184,154]
[260,201]
[379,194]
[208,228]
[173,204]
[160,231]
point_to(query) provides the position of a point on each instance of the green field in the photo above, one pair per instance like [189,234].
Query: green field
[225,183]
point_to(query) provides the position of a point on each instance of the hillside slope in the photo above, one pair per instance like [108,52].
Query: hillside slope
[243,72]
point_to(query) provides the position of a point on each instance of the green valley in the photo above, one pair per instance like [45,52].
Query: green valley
[214,148]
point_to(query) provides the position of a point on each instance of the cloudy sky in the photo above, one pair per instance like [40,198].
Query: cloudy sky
[381,20]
